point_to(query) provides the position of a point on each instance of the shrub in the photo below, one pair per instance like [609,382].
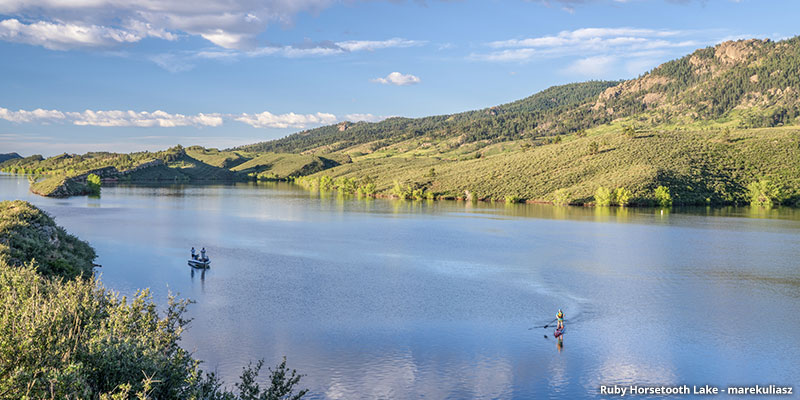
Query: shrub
[602,197]
[512,199]
[622,197]
[75,339]
[663,198]
[325,183]
[94,182]
[629,131]
[594,148]
[763,193]
[561,197]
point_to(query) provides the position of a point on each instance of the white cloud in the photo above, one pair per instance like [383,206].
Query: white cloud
[112,118]
[365,117]
[587,42]
[162,119]
[230,24]
[183,61]
[597,66]
[226,23]
[371,45]
[291,120]
[396,78]
[142,119]
[29,116]
[64,36]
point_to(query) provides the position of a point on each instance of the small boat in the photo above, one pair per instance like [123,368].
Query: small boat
[201,260]
[558,332]
[198,263]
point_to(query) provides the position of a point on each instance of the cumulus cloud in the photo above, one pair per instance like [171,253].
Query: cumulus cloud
[230,24]
[396,78]
[29,116]
[162,119]
[226,23]
[267,119]
[142,119]
[112,118]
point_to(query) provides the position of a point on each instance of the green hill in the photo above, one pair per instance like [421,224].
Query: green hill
[9,156]
[705,126]
[741,84]
[505,122]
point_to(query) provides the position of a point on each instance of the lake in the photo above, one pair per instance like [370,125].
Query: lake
[398,299]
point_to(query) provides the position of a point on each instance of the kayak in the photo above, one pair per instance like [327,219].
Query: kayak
[558,332]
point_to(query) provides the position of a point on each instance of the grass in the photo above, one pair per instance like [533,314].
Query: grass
[283,165]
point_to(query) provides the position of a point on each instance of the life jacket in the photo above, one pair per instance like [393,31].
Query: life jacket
[560,315]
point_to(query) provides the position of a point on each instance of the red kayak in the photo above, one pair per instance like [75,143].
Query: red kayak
[558,332]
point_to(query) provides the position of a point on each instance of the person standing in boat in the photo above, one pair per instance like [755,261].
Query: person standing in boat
[194,256]
[560,318]
[203,254]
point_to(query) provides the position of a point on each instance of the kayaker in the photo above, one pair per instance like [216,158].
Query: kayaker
[194,256]
[560,318]
[203,254]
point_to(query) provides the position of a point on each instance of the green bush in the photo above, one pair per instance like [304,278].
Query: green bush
[594,148]
[561,197]
[94,182]
[74,339]
[629,131]
[602,197]
[512,199]
[663,198]
[622,197]
[763,193]
[325,183]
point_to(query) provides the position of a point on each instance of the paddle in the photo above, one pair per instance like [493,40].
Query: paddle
[545,327]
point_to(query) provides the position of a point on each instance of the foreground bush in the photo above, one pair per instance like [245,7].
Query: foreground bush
[75,339]
[64,336]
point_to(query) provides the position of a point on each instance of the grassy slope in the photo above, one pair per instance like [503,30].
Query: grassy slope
[695,165]
[282,165]
[27,233]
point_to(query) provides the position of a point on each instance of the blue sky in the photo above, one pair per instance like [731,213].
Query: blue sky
[87,75]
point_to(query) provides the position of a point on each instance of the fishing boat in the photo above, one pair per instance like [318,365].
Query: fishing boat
[200,263]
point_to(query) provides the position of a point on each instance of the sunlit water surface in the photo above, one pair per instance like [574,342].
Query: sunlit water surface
[390,299]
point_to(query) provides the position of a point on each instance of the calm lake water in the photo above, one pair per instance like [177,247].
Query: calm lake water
[390,299]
